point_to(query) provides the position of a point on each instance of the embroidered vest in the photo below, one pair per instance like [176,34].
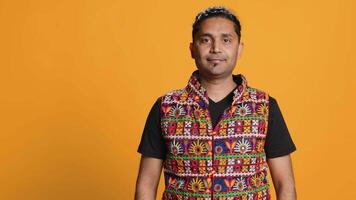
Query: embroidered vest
[226,162]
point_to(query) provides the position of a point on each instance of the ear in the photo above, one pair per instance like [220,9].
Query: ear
[191,48]
[240,50]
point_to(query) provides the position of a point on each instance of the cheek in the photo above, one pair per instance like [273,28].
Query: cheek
[201,53]
[233,53]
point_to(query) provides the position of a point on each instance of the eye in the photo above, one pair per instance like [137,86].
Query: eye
[204,40]
[227,40]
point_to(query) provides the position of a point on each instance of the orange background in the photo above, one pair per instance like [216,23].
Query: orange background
[78,78]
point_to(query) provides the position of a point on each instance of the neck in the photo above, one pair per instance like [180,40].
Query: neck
[217,89]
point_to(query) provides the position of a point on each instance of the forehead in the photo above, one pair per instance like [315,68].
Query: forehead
[217,26]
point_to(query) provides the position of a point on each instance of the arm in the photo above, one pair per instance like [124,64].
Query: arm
[282,177]
[148,178]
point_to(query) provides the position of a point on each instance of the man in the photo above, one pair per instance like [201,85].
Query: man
[217,137]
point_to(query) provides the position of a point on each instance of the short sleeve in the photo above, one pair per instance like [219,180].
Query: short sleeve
[278,140]
[152,142]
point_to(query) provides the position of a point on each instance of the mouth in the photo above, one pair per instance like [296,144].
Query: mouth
[215,60]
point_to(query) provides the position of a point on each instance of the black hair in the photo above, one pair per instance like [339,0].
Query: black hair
[216,11]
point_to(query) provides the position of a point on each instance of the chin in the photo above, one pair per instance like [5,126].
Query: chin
[216,73]
[218,69]
[210,70]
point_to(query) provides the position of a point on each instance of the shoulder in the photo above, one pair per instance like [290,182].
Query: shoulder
[272,100]
[258,94]
[273,106]
[175,92]
[174,95]
[262,94]
[168,98]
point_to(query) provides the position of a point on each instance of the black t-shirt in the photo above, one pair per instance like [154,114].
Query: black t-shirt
[216,109]
[278,140]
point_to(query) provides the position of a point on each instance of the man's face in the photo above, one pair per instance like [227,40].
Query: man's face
[216,48]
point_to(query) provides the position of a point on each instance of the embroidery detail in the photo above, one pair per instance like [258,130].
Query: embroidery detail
[226,163]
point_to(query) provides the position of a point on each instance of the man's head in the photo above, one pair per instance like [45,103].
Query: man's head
[216,11]
[216,42]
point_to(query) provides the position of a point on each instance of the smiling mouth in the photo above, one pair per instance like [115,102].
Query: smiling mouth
[215,60]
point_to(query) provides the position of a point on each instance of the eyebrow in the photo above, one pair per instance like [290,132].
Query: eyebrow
[210,35]
[227,35]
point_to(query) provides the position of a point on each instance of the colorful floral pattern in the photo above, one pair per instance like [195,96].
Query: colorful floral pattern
[243,146]
[225,162]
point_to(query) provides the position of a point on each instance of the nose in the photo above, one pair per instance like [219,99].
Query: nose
[215,47]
